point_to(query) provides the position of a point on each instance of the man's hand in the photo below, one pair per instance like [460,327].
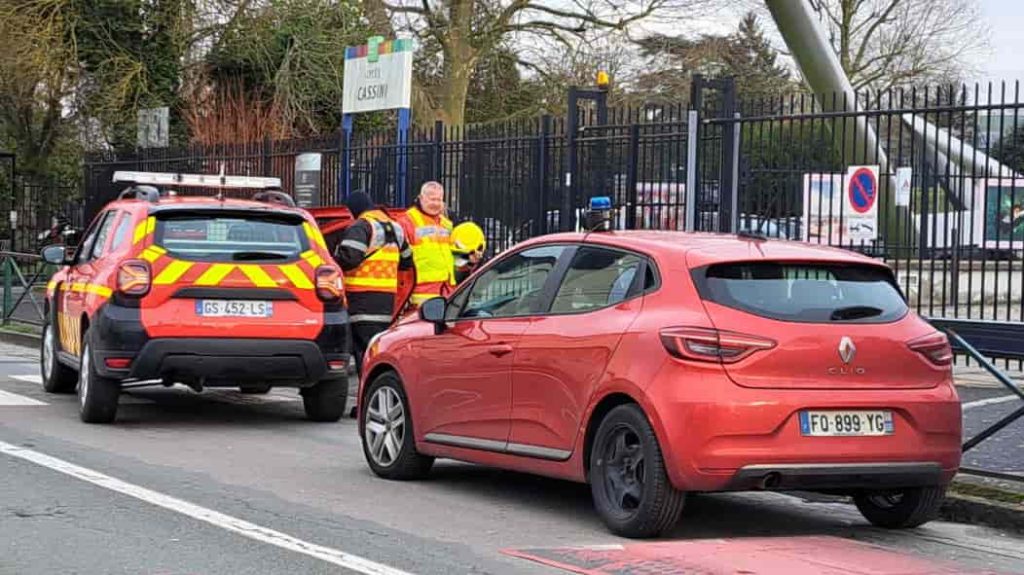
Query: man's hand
[475,257]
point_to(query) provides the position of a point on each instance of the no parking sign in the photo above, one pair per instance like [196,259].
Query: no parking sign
[861,200]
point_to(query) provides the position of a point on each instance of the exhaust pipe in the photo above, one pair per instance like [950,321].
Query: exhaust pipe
[771,480]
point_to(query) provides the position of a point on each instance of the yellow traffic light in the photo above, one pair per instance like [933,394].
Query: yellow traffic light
[603,80]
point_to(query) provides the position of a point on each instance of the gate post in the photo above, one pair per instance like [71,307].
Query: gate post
[631,206]
[730,141]
[566,220]
[692,127]
[540,225]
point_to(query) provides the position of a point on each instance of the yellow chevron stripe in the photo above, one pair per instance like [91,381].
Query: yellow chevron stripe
[371,282]
[143,229]
[102,291]
[314,234]
[214,274]
[150,255]
[257,275]
[172,272]
[296,276]
[312,258]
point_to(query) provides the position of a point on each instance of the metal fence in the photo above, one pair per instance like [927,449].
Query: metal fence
[773,165]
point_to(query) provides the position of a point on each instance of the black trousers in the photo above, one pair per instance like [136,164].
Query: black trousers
[362,333]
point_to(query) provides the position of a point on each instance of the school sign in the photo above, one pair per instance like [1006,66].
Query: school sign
[378,76]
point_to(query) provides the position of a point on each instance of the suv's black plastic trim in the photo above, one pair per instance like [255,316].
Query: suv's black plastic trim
[193,292]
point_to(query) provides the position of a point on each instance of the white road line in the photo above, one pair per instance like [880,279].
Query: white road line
[989,401]
[215,518]
[8,399]
[36,379]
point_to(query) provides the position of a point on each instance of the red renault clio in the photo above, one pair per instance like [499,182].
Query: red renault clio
[652,364]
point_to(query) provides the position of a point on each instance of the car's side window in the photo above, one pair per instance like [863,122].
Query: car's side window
[513,286]
[102,234]
[84,251]
[124,226]
[598,278]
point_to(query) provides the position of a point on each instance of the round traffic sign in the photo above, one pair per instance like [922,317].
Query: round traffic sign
[862,190]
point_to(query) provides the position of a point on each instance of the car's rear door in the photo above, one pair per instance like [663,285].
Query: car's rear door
[564,353]
[464,374]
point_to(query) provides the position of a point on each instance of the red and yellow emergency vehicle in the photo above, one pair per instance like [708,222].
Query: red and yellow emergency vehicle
[205,291]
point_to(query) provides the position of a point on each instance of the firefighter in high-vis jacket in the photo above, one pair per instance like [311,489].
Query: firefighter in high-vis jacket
[429,232]
[372,253]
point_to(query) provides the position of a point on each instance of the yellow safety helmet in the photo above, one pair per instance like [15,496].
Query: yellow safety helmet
[467,238]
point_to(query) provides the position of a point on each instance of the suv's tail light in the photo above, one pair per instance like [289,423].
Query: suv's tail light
[134,278]
[934,347]
[328,283]
[704,344]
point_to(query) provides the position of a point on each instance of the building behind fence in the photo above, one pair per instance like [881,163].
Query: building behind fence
[957,247]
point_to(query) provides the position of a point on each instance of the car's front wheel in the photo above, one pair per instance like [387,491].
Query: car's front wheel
[97,395]
[326,400]
[628,481]
[901,508]
[386,425]
[57,377]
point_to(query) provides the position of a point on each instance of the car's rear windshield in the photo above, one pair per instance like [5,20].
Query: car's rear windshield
[809,293]
[229,237]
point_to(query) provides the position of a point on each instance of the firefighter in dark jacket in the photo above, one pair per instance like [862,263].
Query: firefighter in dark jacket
[372,252]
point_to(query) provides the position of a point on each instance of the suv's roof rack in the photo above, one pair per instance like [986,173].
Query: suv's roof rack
[274,197]
[145,193]
[197,180]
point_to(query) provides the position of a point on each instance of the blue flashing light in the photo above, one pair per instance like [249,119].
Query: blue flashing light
[600,203]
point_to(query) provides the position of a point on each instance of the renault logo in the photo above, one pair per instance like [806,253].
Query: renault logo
[847,351]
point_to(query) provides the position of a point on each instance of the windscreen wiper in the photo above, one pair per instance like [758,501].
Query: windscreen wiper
[245,256]
[855,312]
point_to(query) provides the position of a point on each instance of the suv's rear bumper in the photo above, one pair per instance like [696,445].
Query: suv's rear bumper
[119,334]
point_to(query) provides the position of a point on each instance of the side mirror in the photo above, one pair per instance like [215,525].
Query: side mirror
[55,255]
[433,310]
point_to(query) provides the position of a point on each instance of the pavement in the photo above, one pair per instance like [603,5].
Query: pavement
[221,482]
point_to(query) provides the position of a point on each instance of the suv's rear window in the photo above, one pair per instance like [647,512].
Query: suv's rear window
[234,237]
[810,293]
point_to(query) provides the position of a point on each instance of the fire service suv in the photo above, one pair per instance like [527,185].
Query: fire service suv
[204,291]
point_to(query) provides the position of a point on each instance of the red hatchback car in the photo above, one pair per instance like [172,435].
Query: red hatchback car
[651,364]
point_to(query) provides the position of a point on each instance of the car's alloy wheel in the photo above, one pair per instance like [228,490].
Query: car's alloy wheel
[57,377]
[97,395]
[386,430]
[624,469]
[628,479]
[385,426]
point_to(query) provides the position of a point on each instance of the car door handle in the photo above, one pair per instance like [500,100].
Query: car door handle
[500,350]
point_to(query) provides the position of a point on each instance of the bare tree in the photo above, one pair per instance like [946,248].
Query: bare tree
[467,30]
[883,44]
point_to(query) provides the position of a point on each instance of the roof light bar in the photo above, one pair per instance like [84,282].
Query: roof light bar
[196,180]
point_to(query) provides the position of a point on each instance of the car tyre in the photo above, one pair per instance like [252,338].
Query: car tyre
[902,508]
[57,377]
[385,426]
[628,480]
[97,395]
[325,401]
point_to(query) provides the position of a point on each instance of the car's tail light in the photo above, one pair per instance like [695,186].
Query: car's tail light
[934,347]
[328,283]
[134,278]
[704,344]
[337,365]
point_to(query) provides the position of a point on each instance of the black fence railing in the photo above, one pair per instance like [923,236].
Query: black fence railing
[780,166]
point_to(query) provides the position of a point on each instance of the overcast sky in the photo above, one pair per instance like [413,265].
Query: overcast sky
[1006,21]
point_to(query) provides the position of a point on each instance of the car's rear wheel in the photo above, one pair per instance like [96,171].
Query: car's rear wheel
[57,377]
[326,400]
[97,395]
[628,481]
[901,508]
[386,426]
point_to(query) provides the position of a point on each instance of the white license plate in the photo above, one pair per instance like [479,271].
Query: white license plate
[234,308]
[845,423]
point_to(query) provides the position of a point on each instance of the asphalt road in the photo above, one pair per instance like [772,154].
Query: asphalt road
[225,483]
